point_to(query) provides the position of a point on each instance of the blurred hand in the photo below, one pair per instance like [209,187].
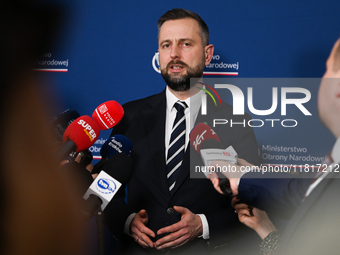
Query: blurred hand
[231,171]
[243,162]
[78,158]
[63,163]
[234,201]
[189,227]
[139,231]
[255,219]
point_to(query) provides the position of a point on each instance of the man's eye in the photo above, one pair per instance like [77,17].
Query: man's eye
[166,46]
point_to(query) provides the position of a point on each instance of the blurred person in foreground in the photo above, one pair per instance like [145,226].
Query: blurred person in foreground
[39,212]
[314,227]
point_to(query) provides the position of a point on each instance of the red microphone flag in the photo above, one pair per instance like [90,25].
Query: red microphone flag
[108,114]
[200,133]
[83,131]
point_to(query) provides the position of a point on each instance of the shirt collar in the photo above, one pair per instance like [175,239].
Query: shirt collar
[193,102]
[336,151]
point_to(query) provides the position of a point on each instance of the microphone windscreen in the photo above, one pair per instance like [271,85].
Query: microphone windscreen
[61,122]
[199,134]
[83,131]
[116,144]
[119,167]
[211,144]
[108,114]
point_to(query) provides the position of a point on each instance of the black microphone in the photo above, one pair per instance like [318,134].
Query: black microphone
[79,176]
[203,137]
[61,122]
[115,173]
[224,181]
[112,146]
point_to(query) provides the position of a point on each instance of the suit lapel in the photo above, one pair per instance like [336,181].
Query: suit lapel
[303,209]
[154,121]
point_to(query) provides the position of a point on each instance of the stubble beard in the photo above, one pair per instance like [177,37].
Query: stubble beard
[181,82]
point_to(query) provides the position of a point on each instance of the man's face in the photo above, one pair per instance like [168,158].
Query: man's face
[329,93]
[181,53]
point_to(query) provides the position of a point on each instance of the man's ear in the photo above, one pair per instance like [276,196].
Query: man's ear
[209,52]
[337,91]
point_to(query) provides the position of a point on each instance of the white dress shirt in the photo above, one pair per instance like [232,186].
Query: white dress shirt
[191,112]
[336,159]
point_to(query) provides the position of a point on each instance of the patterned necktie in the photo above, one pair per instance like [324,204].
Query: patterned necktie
[176,145]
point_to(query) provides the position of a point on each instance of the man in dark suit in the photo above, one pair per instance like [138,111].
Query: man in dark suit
[185,215]
[314,226]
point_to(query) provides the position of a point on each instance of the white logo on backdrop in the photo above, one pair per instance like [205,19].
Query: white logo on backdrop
[155,62]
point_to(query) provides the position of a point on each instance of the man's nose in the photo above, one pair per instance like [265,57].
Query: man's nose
[175,52]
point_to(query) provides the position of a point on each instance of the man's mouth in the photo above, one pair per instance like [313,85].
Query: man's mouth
[176,68]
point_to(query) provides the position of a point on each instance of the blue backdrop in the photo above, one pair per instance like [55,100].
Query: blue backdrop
[106,52]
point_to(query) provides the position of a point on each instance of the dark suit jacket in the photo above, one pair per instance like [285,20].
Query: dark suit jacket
[144,124]
[315,226]
[312,226]
[279,194]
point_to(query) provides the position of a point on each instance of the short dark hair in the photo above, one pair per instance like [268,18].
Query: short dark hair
[176,14]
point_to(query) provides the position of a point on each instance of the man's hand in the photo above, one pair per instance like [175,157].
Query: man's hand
[216,182]
[255,219]
[139,231]
[233,173]
[189,227]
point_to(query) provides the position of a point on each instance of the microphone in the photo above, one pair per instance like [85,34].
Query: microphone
[80,135]
[200,133]
[115,173]
[108,114]
[61,122]
[59,125]
[113,145]
[202,137]
[80,177]
[116,144]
